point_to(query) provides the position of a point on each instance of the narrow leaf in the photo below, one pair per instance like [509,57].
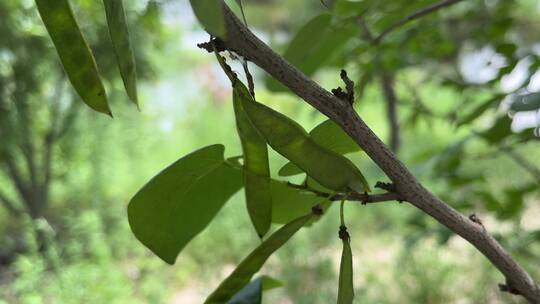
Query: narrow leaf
[288,138]
[210,15]
[74,53]
[346,286]
[255,260]
[256,167]
[527,102]
[479,110]
[118,30]
[179,202]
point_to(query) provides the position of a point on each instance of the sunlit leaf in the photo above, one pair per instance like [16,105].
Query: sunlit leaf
[118,30]
[288,138]
[179,202]
[210,15]
[255,260]
[329,135]
[75,55]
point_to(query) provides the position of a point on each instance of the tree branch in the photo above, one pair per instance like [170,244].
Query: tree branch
[245,43]
[413,16]
[364,198]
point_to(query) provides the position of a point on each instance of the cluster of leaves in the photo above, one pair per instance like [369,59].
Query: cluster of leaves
[178,203]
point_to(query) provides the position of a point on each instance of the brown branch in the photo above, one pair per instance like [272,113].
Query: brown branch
[245,43]
[416,15]
[387,83]
[364,198]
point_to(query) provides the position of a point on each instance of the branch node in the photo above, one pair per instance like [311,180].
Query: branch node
[390,187]
[507,287]
[348,94]
[317,210]
[343,233]
[475,219]
[214,42]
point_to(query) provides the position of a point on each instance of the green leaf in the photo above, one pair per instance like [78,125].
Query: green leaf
[329,135]
[256,167]
[346,285]
[499,131]
[179,202]
[288,138]
[479,110]
[118,30]
[74,52]
[252,293]
[289,203]
[255,260]
[314,44]
[527,102]
[210,16]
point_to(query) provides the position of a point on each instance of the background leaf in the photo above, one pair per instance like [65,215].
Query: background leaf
[316,42]
[118,30]
[527,102]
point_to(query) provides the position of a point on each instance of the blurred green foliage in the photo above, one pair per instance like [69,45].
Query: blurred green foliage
[455,136]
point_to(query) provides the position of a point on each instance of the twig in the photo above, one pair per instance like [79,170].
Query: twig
[245,43]
[364,198]
[413,16]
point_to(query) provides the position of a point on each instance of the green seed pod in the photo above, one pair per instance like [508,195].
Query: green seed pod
[74,52]
[288,138]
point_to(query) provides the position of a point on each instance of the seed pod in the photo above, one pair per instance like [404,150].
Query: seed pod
[289,139]
[74,52]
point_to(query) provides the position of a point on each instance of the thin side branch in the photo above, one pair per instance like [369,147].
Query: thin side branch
[416,15]
[364,198]
[245,43]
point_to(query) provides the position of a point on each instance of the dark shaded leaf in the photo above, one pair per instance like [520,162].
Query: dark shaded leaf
[76,56]
[118,30]
[499,131]
[179,202]
[527,102]
[252,293]
[255,260]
